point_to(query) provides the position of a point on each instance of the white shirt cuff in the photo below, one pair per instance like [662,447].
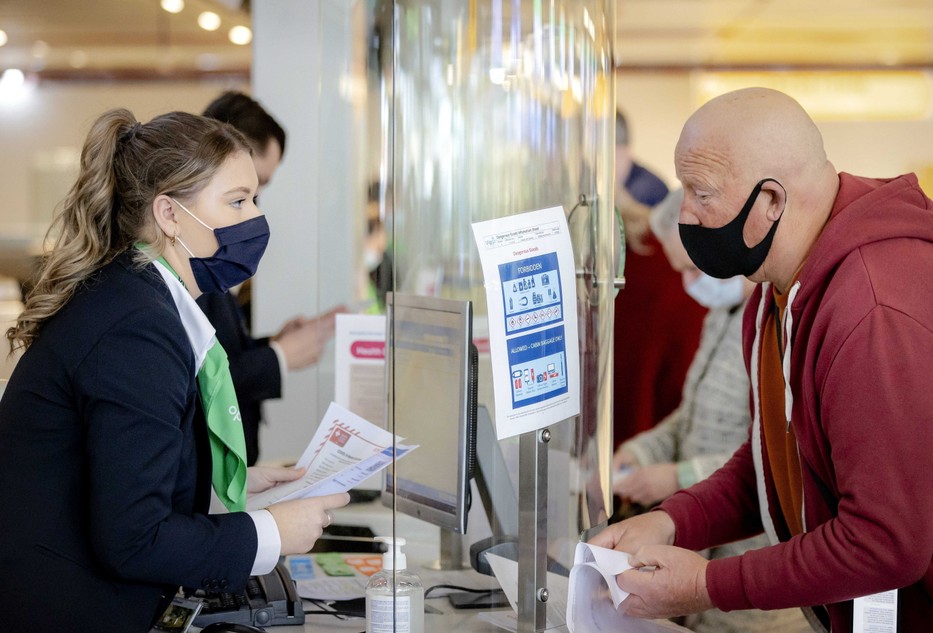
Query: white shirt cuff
[269,546]
[283,364]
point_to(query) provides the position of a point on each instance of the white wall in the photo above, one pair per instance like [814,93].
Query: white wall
[656,106]
[302,53]
[40,142]
[59,114]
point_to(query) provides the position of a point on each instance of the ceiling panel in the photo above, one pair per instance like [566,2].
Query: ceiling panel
[119,38]
[653,33]
[130,38]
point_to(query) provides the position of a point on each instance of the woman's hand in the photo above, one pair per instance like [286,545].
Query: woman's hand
[261,478]
[623,458]
[649,484]
[302,521]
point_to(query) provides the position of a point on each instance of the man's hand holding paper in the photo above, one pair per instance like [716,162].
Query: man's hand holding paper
[665,581]
[651,528]
[597,599]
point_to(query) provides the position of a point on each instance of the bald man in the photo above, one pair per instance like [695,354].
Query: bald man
[838,340]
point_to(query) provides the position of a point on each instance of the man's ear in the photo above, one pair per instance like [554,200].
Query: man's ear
[163,210]
[778,199]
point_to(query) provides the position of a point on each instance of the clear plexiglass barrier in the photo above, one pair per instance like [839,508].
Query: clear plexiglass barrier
[491,110]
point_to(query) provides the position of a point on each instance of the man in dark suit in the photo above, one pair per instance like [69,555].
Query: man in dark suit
[259,364]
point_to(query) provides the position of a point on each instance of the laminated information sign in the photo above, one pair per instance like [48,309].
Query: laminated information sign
[528,268]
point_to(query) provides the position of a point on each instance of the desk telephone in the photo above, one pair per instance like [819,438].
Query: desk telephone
[268,600]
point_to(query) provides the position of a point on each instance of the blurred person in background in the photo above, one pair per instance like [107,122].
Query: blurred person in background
[649,362]
[258,365]
[377,254]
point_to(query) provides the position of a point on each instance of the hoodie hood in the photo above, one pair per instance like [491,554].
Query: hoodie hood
[865,211]
[881,209]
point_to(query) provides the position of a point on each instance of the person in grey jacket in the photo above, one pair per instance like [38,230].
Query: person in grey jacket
[711,422]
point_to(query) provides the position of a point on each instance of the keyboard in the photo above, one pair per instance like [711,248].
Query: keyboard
[268,600]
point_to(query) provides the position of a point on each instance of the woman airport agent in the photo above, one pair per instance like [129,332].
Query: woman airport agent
[121,414]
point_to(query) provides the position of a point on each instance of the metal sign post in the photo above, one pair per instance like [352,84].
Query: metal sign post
[532,539]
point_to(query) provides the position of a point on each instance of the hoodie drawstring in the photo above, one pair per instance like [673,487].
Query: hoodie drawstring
[757,433]
[785,361]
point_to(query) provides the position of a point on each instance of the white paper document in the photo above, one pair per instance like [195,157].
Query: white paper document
[529,275]
[586,602]
[594,596]
[331,588]
[876,613]
[345,450]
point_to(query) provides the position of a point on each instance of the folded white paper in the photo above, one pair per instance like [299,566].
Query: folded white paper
[594,596]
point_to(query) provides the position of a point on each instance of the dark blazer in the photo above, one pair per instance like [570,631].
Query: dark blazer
[253,364]
[105,467]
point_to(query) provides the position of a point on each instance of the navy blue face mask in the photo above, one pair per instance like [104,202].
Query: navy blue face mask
[721,252]
[240,247]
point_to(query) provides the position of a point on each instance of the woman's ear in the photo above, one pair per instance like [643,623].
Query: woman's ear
[163,211]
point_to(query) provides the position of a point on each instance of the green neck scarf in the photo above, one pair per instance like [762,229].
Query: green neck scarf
[218,399]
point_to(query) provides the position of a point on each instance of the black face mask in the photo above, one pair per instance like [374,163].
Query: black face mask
[722,252]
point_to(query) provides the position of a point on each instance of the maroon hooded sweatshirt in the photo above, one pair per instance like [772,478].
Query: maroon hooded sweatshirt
[859,390]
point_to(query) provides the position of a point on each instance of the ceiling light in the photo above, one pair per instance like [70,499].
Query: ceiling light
[12,78]
[12,84]
[209,21]
[3,38]
[173,6]
[241,35]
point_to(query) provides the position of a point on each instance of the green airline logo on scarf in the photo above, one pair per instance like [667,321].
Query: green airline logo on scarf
[224,424]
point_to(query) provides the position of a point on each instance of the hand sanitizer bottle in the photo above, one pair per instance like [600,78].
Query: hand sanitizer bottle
[402,612]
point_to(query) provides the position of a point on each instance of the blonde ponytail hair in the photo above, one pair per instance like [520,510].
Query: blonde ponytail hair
[125,165]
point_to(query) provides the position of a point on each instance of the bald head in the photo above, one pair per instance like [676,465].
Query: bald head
[756,132]
[741,138]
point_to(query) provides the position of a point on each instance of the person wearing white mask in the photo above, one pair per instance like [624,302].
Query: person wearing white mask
[711,422]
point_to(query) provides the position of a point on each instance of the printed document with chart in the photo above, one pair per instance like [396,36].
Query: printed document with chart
[345,450]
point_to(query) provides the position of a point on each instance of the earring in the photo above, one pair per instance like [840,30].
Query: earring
[173,240]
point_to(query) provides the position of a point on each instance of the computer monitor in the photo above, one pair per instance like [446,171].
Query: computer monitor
[431,368]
